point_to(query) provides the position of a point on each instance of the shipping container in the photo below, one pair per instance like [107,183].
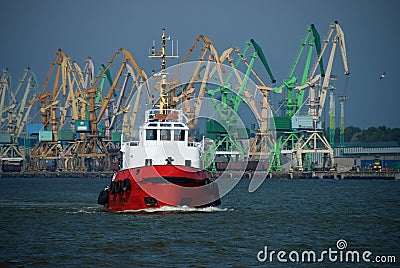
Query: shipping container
[45,135]
[283,123]
[65,135]
[5,138]
[82,126]
[116,136]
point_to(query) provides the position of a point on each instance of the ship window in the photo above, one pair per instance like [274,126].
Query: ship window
[165,134]
[151,134]
[165,125]
[152,124]
[179,135]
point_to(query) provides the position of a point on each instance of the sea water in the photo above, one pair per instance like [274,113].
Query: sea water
[56,222]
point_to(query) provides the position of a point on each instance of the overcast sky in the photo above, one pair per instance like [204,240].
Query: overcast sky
[32,31]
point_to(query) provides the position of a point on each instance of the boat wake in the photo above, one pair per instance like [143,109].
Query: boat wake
[85,210]
[179,209]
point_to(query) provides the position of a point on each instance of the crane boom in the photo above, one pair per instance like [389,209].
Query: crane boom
[339,38]
[261,55]
[339,33]
[293,104]
[128,58]
[24,111]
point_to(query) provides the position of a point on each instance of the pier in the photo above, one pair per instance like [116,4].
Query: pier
[350,175]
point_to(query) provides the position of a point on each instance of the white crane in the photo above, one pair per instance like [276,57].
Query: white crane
[313,141]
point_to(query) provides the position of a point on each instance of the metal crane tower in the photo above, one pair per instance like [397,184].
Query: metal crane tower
[12,156]
[312,140]
[288,136]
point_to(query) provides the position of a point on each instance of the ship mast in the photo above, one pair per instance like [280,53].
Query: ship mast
[162,86]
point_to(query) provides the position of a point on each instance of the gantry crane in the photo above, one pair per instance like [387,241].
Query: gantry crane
[312,140]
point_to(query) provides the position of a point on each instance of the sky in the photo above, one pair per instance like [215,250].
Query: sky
[32,32]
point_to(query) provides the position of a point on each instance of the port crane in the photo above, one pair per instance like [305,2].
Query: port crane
[184,93]
[288,137]
[312,140]
[231,101]
[90,150]
[227,97]
[5,87]
[90,77]
[212,70]
[50,153]
[11,154]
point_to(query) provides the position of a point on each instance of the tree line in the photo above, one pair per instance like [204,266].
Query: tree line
[371,134]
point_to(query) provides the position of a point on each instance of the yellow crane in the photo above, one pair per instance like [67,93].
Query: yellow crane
[91,150]
[50,152]
[313,141]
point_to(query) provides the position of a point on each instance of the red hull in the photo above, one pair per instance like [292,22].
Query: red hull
[157,186]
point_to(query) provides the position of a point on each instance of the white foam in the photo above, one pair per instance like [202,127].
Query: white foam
[85,210]
[178,209]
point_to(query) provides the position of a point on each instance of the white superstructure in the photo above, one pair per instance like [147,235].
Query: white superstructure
[163,140]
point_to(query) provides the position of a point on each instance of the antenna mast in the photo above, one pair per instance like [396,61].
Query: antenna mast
[162,86]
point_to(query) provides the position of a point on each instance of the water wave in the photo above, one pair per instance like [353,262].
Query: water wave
[178,209]
[85,210]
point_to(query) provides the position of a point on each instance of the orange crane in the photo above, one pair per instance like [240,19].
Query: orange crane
[186,92]
[91,151]
[49,152]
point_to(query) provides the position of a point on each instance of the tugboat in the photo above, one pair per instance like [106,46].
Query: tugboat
[162,168]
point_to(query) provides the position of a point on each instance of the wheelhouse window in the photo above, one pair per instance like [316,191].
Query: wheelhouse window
[151,134]
[179,135]
[165,134]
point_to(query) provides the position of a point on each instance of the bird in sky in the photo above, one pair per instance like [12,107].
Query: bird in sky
[382,75]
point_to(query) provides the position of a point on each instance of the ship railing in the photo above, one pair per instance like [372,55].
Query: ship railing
[168,115]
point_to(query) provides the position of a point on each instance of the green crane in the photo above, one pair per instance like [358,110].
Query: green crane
[107,75]
[294,99]
[226,137]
